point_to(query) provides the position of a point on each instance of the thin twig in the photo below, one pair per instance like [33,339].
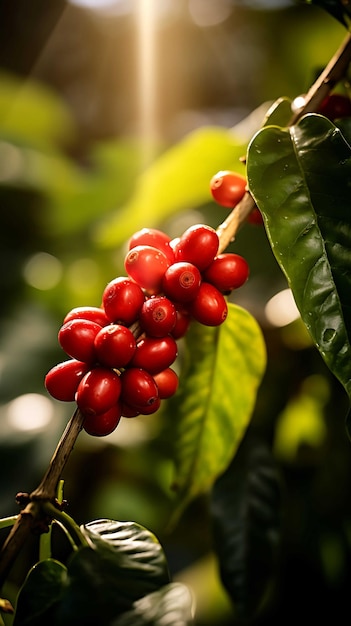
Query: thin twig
[33,512]
[331,75]
[48,487]
[17,537]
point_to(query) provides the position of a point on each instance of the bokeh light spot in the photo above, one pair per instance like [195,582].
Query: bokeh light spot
[115,6]
[208,13]
[43,271]
[281,309]
[31,411]
[11,162]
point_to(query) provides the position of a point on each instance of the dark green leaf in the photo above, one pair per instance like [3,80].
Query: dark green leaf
[136,548]
[337,8]
[40,594]
[124,563]
[217,397]
[170,605]
[300,179]
[345,126]
[246,525]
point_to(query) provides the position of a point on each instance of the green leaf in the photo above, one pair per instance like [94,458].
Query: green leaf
[136,548]
[300,179]
[279,113]
[344,124]
[217,397]
[178,180]
[38,598]
[246,514]
[32,113]
[172,604]
[124,563]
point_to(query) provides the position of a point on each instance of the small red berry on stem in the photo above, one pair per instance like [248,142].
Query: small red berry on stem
[197,245]
[183,322]
[98,391]
[146,265]
[92,313]
[152,237]
[255,217]
[155,353]
[335,106]
[227,272]
[209,307]
[228,188]
[181,281]
[122,300]
[77,336]
[158,316]
[103,424]
[63,379]
[114,345]
[167,382]
[139,389]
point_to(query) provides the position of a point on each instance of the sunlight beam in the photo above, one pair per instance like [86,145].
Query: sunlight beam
[146,18]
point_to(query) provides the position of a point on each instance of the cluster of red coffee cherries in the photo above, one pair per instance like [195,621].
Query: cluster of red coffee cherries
[121,352]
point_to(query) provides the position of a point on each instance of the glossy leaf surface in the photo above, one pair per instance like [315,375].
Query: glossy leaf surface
[38,598]
[124,563]
[217,397]
[246,512]
[172,604]
[136,548]
[300,179]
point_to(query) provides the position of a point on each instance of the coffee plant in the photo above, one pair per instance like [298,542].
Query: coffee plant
[168,330]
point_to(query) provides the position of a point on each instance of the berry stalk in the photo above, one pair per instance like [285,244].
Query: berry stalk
[47,489]
[334,71]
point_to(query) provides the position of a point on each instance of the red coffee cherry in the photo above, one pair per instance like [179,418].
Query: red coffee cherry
[197,245]
[155,353]
[151,408]
[139,389]
[129,411]
[181,281]
[114,346]
[62,380]
[335,106]
[167,382]
[158,316]
[98,391]
[183,322]
[255,217]
[92,313]
[76,337]
[155,238]
[209,307]
[228,188]
[146,265]
[227,272]
[122,300]
[103,424]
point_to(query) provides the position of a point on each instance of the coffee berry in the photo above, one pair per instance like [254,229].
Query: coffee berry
[121,353]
